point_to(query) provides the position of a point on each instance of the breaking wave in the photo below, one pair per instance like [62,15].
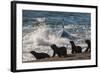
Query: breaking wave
[40,38]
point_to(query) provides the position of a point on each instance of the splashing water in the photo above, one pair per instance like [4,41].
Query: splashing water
[39,39]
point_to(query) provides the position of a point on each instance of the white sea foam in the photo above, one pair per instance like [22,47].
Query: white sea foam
[40,38]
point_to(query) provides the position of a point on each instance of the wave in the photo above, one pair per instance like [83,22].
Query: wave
[40,38]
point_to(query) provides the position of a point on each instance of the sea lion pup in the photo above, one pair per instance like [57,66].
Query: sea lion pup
[40,55]
[75,49]
[88,42]
[60,51]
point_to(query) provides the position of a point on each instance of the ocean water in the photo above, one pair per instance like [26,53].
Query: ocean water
[41,29]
